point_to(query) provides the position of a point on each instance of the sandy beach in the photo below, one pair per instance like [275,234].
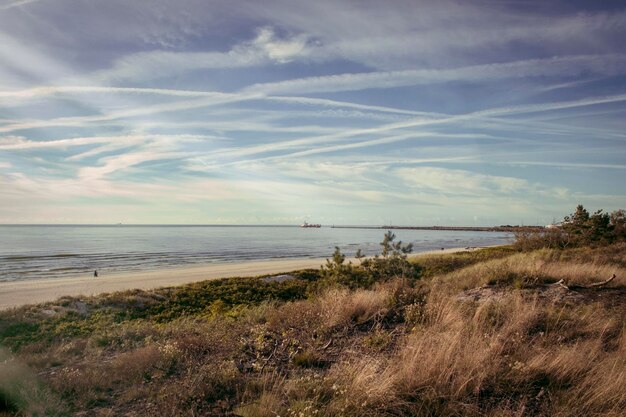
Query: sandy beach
[18,293]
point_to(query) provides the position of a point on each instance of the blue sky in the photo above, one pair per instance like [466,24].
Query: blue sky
[339,112]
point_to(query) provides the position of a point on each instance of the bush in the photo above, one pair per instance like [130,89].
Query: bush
[578,229]
[391,263]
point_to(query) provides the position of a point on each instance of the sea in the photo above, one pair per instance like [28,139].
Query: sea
[56,251]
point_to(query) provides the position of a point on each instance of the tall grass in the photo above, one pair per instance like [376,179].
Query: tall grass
[21,392]
[528,269]
[343,307]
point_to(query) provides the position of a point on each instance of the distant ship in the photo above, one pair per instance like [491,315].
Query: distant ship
[307,225]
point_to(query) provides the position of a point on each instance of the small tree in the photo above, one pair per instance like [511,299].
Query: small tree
[337,272]
[585,229]
[359,254]
[600,229]
[393,260]
[391,249]
[579,218]
[618,224]
[390,264]
[338,258]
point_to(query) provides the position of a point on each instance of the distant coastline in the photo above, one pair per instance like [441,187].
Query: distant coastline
[503,228]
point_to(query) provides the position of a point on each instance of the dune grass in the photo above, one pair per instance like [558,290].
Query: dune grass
[401,348]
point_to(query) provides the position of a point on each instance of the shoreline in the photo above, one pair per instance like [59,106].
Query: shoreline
[20,293]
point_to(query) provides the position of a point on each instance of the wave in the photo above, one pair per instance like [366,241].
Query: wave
[27,257]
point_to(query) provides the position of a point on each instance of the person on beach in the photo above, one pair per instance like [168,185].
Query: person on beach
[95,273]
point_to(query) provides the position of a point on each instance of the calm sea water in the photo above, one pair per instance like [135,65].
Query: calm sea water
[29,252]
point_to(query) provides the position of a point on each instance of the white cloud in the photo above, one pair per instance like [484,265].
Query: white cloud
[411,124]
[317,172]
[44,91]
[555,164]
[24,187]
[39,92]
[147,148]
[460,182]
[265,49]
[335,103]
[567,66]
[7,142]
[281,50]
[383,141]
[26,63]
[545,107]
[155,148]
[435,33]
[20,143]
[237,187]
[122,114]
[124,161]
[16,3]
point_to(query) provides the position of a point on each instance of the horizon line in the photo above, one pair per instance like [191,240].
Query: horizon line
[259,225]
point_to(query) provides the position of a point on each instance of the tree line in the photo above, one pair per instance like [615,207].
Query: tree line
[580,228]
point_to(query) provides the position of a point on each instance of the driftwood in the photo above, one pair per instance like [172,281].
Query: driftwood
[600,284]
[561,283]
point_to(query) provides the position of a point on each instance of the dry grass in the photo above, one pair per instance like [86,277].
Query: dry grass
[463,361]
[363,387]
[585,274]
[341,307]
[524,270]
[392,350]
[508,357]
[21,391]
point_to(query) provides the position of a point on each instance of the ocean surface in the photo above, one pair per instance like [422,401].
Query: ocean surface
[36,252]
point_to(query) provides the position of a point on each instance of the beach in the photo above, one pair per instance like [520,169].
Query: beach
[18,293]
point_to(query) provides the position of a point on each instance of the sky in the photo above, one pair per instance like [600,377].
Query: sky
[477,112]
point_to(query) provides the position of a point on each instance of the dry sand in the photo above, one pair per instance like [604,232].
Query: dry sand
[18,293]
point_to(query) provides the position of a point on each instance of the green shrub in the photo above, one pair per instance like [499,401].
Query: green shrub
[391,263]
[578,229]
